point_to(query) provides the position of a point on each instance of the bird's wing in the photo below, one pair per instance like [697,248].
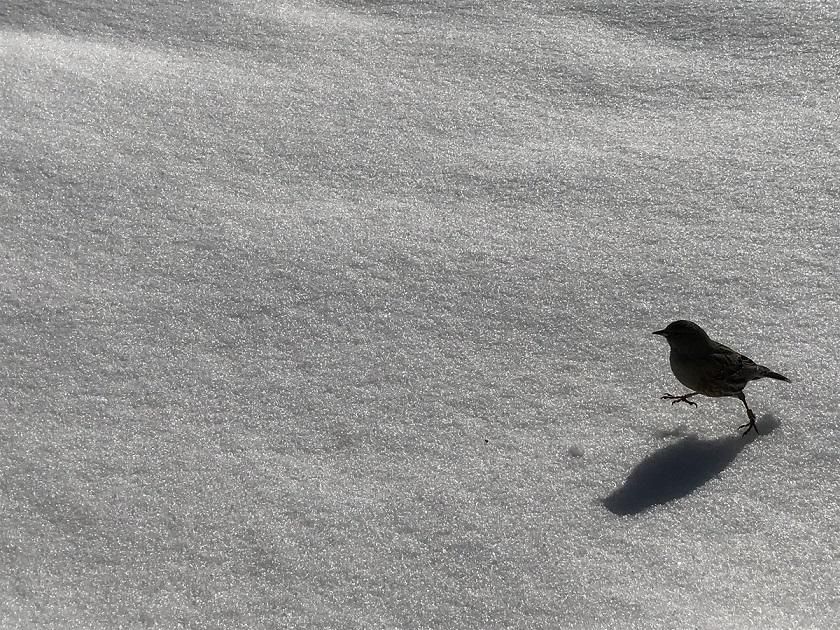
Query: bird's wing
[732,370]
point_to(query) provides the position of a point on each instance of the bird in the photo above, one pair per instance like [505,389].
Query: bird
[711,368]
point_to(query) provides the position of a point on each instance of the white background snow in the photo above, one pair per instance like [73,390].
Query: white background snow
[337,314]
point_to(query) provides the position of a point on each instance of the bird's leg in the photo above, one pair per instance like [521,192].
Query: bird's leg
[684,398]
[751,424]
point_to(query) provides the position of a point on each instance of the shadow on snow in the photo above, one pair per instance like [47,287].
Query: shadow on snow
[678,469]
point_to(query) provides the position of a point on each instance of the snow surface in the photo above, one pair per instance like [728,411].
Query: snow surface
[337,314]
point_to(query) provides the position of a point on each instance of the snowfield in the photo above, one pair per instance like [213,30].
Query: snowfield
[337,314]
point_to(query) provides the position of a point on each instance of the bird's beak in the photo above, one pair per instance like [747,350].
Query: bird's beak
[659,332]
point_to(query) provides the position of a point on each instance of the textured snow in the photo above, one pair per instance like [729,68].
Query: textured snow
[338,314]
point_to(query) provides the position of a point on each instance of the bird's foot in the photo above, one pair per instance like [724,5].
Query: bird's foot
[750,425]
[684,398]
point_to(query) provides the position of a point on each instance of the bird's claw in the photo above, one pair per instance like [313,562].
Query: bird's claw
[751,426]
[689,402]
[675,399]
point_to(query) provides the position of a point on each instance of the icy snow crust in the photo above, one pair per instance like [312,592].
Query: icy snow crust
[337,315]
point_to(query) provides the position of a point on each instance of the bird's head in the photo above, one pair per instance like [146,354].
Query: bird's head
[685,336]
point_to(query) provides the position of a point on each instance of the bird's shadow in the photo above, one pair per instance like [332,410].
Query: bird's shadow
[678,469]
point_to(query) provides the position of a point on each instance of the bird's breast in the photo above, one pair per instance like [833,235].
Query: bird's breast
[695,372]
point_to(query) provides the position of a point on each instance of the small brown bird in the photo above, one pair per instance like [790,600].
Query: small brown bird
[710,368]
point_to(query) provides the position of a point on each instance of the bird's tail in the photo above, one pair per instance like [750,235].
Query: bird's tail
[771,374]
